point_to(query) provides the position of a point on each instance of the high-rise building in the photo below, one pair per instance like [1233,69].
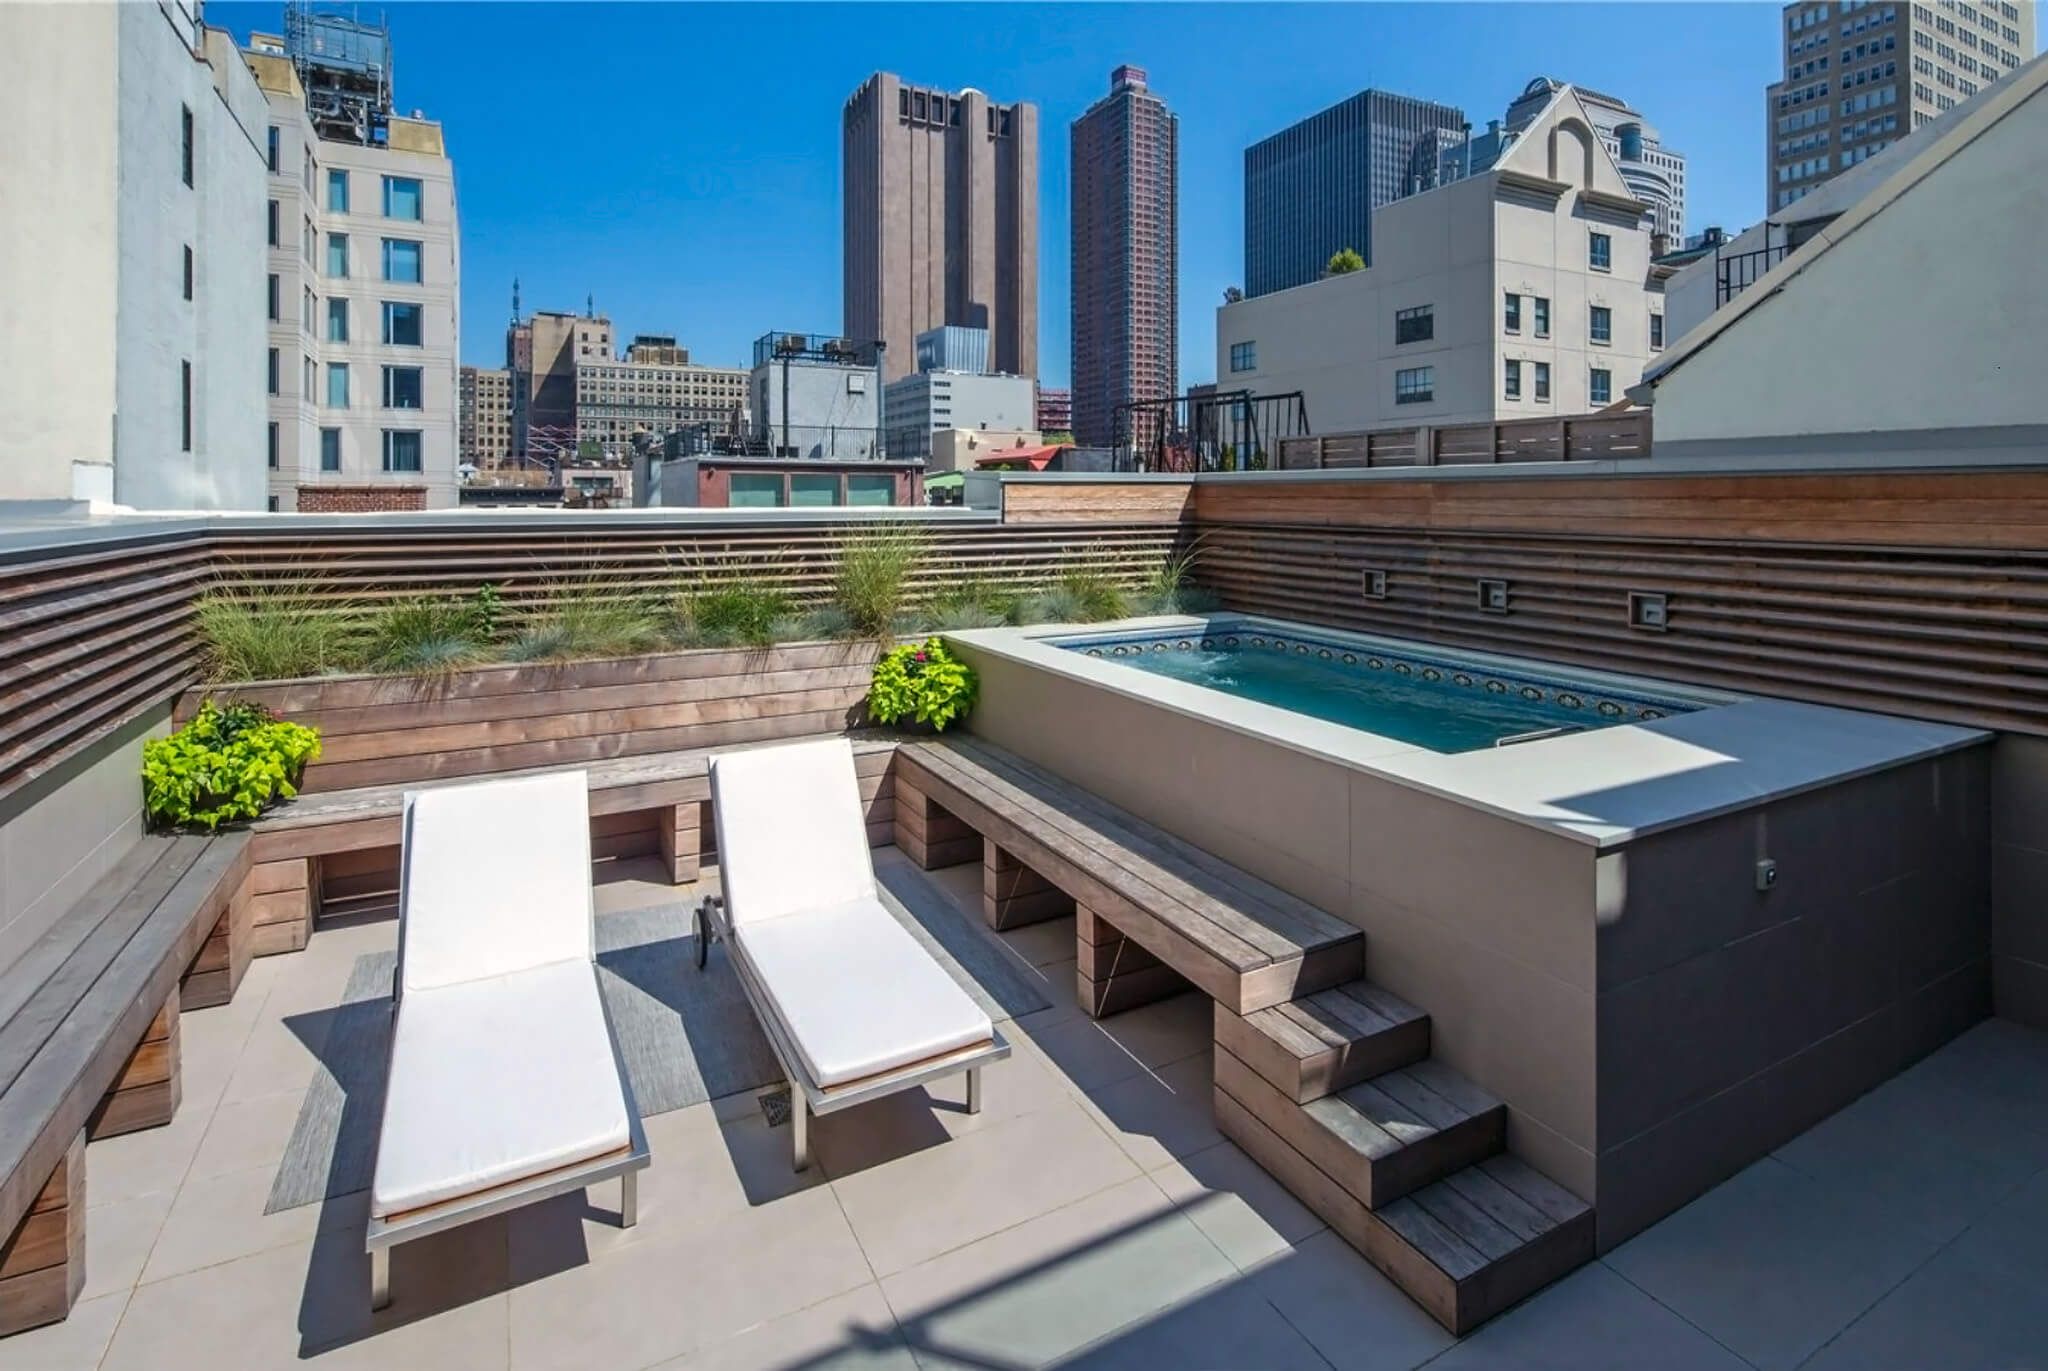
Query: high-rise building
[953,388]
[1310,190]
[940,220]
[654,389]
[484,418]
[1654,173]
[1126,254]
[1859,75]
[131,259]
[1055,410]
[364,290]
[544,389]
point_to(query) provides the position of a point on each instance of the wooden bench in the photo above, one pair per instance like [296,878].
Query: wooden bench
[89,1042]
[1152,913]
[338,850]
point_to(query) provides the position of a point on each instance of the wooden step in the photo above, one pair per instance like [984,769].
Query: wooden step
[1310,1048]
[1382,1138]
[1465,1248]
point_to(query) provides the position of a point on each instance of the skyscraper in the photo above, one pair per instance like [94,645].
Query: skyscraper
[1126,316]
[1859,76]
[941,220]
[1310,190]
[1654,173]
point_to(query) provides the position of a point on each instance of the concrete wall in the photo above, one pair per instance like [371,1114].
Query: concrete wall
[1730,1019]
[1965,277]
[57,76]
[66,829]
[2019,879]
[834,411]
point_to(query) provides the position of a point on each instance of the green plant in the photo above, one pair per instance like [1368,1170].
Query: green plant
[277,632]
[485,606]
[727,612]
[1091,594]
[871,583]
[1170,590]
[227,764]
[588,619]
[424,638]
[1344,261]
[923,682]
[973,603]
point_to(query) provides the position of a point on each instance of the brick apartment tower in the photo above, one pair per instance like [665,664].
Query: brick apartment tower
[1126,311]
[941,220]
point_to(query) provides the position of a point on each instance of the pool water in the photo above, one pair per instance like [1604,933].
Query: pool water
[1425,701]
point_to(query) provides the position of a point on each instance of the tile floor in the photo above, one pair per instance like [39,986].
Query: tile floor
[1090,1216]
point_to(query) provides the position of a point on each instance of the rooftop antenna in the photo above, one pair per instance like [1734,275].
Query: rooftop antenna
[590,306]
[515,299]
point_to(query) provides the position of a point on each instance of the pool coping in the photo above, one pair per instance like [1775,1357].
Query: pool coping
[1604,787]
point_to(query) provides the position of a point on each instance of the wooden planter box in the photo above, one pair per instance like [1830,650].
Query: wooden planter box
[391,730]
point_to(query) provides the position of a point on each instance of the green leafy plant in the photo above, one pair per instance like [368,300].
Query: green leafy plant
[1344,261]
[485,607]
[871,583]
[229,763]
[922,682]
[277,632]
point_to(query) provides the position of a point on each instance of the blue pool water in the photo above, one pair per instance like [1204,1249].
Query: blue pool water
[1425,700]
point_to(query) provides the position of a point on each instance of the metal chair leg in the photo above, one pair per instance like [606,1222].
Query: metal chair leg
[380,1278]
[800,1126]
[629,1199]
[974,1090]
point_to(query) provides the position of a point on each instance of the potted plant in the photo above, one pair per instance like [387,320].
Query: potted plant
[228,764]
[923,684]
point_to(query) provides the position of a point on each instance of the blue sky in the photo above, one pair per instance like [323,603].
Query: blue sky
[681,163]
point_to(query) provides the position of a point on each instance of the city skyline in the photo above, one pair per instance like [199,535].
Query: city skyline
[733,224]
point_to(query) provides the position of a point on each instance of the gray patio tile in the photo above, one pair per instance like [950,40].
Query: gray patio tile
[79,1341]
[850,1332]
[147,1162]
[1059,1283]
[1772,1263]
[2001,1062]
[643,1302]
[247,1133]
[1250,1216]
[1226,1327]
[1043,944]
[919,1205]
[1940,1154]
[1079,1047]
[1954,1314]
[1355,1317]
[118,1238]
[636,883]
[1166,1032]
[221,1219]
[1159,1116]
[872,1134]
[1593,1320]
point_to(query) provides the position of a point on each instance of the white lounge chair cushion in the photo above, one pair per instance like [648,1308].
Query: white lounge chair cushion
[496,878]
[858,995]
[495,1081]
[791,835]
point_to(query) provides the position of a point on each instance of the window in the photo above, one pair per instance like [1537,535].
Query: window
[273,297]
[337,385]
[1511,379]
[1600,324]
[753,490]
[402,387]
[1600,251]
[401,324]
[1656,331]
[337,256]
[1414,385]
[188,271]
[1542,317]
[1511,313]
[1244,356]
[273,371]
[337,320]
[337,191]
[1543,380]
[401,198]
[272,238]
[1600,386]
[1417,325]
[402,261]
[270,154]
[330,449]
[185,148]
[270,447]
[185,406]
[870,489]
[401,449]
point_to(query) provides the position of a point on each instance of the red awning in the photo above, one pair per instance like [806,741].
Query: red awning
[1021,458]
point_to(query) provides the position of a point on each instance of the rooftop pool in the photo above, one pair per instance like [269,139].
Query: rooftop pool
[1434,700]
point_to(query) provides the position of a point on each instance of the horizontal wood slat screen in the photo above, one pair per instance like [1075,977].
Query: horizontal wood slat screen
[93,637]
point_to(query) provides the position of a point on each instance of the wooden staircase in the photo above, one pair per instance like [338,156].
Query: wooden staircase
[1337,1096]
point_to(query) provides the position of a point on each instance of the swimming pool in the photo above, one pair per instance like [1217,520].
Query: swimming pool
[1432,700]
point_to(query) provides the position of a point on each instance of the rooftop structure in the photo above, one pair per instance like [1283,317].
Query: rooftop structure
[818,396]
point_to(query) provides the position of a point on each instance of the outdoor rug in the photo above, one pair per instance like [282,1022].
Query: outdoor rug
[686,1036]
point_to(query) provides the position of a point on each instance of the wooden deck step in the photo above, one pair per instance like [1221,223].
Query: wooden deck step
[1382,1138]
[1465,1247]
[1334,1039]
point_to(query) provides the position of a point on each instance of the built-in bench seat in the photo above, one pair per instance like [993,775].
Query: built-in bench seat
[339,849]
[89,1042]
[1153,913]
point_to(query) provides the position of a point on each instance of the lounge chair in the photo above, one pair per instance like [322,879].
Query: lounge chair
[854,1007]
[505,1084]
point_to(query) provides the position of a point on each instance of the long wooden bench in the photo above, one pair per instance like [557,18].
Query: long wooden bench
[89,1042]
[1153,913]
[338,850]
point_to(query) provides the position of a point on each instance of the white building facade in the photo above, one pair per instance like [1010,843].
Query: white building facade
[1522,292]
[363,299]
[916,406]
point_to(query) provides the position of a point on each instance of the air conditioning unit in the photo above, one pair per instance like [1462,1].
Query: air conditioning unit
[791,343]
